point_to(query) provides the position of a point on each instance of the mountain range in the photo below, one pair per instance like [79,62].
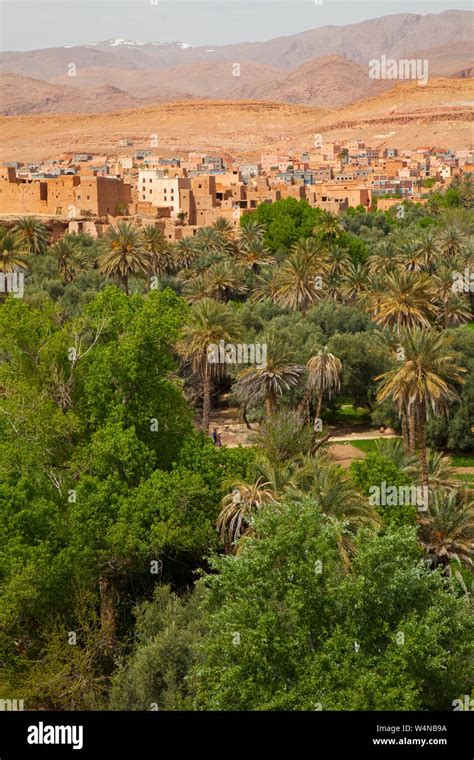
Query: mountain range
[325,67]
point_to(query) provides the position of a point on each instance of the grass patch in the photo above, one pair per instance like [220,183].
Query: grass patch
[349,415]
[367,446]
[462,460]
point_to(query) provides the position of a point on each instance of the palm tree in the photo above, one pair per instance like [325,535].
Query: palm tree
[282,438]
[447,528]
[31,234]
[393,449]
[185,253]
[423,382]
[454,310]
[439,467]
[391,341]
[384,259]
[427,248]
[124,254]
[211,242]
[254,256]
[222,279]
[324,376]
[299,288]
[195,289]
[239,506]
[154,244]
[208,324]
[443,283]
[458,217]
[355,281]
[434,204]
[452,241]
[339,262]
[70,258]
[10,258]
[224,228]
[405,301]
[410,257]
[251,232]
[267,284]
[327,227]
[267,383]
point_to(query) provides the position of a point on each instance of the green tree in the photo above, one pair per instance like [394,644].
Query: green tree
[372,473]
[91,407]
[124,254]
[324,376]
[31,234]
[10,258]
[425,381]
[298,287]
[285,221]
[362,358]
[209,323]
[288,629]
[154,675]
[155,245]
[267,383]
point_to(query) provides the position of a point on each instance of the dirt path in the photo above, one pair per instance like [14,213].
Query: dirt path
[345,453]
[367,436]
[235,433]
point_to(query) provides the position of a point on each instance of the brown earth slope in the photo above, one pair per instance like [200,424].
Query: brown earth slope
[216,79]
[21,95]
[327,82]
[409,115]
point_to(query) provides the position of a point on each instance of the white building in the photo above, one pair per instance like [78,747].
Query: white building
[158,189]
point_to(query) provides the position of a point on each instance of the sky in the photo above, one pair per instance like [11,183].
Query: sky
[31,24]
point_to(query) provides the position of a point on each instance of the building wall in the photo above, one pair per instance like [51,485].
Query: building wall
[159,190]
[66,195]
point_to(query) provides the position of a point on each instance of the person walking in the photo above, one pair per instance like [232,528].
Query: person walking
[214,436]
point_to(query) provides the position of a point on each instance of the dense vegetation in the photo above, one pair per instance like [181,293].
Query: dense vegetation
[144,568]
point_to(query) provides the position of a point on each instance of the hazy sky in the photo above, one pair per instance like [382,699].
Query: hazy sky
[29,24]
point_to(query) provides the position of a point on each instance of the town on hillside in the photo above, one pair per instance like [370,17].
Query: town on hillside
[181,194]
